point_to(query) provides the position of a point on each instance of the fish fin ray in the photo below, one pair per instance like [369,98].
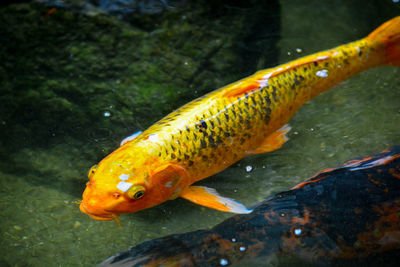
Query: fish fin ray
[371,164]
[210,198]
[273,141]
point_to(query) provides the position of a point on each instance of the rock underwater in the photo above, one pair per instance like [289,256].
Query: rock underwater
[342,216]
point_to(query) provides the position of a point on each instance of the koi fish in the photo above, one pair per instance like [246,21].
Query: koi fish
[212,132]
[341,216]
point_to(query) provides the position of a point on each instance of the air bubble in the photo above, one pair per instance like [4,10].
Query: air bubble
[298,231]
[249,168]
[223,262]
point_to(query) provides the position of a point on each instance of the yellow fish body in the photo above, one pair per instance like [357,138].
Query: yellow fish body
[212,132]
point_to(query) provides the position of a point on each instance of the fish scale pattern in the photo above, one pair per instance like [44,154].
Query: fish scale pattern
[216,130]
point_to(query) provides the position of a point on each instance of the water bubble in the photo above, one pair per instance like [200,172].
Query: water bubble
[322,73]
[233,239]
[223,262]
[249,168]
[297,231]
[242,249]
[107,114]
[299,50]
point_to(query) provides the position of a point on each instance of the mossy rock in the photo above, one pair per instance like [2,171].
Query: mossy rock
[96,78]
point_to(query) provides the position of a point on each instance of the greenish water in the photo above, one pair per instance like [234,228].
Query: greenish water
[64,72]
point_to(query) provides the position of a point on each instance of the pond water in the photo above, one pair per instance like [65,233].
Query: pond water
[45,154]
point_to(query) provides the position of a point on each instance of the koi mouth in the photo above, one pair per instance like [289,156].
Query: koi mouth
[100,217]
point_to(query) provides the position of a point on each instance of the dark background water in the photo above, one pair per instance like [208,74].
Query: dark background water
[77,81]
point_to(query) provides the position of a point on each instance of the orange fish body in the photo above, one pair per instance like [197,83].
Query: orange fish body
[212,132]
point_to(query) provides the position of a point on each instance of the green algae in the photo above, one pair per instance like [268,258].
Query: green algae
[70,67]
[62,74]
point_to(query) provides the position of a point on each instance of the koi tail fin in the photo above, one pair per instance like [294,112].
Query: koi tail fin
[388,36]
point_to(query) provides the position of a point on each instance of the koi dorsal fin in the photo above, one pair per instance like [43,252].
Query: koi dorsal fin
[260,78]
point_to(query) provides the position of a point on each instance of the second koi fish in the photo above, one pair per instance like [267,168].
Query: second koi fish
[212,132]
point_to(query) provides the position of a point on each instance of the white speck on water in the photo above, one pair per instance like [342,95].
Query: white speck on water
[242,249]
[289,53]
[249,168]
[299,50]
[233,239]
[223,262]
[107,114]
[298,231]
[322,73]
[186,63]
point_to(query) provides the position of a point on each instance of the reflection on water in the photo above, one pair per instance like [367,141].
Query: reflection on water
[93,66]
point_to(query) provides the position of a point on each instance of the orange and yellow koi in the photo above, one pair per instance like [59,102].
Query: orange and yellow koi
[212,132]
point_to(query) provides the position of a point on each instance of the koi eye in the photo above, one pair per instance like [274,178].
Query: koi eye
[136,192]
[92,171]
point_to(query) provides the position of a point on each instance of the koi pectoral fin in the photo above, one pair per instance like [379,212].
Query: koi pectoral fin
[273,141]
[210,198]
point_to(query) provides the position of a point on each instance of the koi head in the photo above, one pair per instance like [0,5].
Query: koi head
[127,182]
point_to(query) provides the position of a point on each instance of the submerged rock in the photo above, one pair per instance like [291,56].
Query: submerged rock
[96,79]
[345,215]
[120,8]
